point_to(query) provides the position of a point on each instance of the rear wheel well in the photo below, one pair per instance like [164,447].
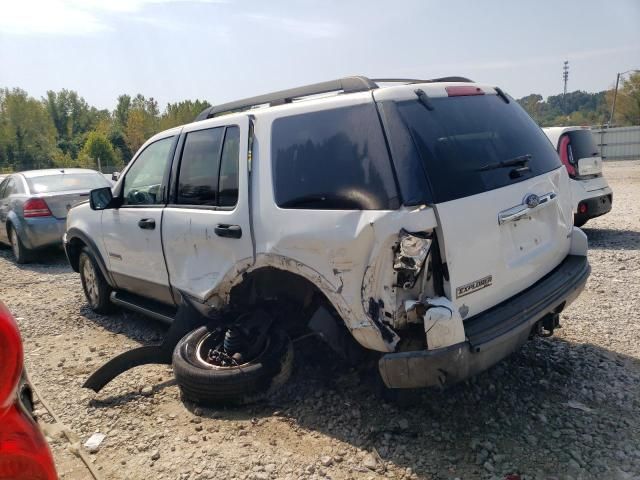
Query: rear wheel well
[293,297]
[9,226]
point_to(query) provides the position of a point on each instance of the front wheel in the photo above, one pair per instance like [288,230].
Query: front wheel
[207,374]
[96,289]
[21,253]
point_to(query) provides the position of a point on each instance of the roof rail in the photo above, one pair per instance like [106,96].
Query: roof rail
[345,85]
[417,80]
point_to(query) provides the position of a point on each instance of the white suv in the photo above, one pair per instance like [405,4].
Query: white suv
[590,192]
[431,218]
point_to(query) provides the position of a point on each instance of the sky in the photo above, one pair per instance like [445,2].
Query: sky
[221,50]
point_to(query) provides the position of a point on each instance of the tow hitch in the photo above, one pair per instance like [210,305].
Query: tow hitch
[548,324]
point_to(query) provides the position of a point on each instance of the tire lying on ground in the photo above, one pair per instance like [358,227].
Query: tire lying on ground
[204,383]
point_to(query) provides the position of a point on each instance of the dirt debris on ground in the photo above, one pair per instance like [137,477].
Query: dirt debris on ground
[565,407]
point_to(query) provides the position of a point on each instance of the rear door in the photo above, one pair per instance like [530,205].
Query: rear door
[206,228]
[131,233]
[502,226]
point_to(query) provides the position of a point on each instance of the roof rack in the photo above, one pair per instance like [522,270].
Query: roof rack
[416,80]
[345,85]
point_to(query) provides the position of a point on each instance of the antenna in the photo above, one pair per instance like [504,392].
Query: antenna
[565,79]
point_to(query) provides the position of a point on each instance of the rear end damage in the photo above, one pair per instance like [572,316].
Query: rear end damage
[489,336]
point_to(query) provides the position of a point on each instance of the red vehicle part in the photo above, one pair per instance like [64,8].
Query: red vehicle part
[24,453]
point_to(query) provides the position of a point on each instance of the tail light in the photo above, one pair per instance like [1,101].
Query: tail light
[10,358]
[564,155]
[36,207]
[24,453]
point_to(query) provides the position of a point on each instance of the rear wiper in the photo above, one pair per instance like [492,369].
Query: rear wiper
[520,161]
[423,98]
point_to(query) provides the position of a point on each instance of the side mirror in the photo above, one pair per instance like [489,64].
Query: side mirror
[115,176]
[101,198]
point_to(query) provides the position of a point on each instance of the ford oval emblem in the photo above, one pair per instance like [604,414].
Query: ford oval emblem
[532,201]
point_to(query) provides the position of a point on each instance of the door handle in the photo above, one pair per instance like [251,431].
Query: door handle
[147,224]
[228,231]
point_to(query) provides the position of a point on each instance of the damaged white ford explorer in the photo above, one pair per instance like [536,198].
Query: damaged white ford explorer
[429,219]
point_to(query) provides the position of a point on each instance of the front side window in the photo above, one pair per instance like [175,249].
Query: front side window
[144,179]
[209,168]
[332,160]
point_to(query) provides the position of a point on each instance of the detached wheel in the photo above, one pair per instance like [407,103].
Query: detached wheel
[96,289]
[21,253]
[207,374]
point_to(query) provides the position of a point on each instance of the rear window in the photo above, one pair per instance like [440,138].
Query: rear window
[460,141]
[332,160]
[581,145]
[65,182]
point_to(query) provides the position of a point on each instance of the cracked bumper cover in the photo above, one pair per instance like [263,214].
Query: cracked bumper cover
[491,335]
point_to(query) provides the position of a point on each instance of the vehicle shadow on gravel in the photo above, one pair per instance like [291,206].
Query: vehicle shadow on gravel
[613,239]
[551,403]
[53,260]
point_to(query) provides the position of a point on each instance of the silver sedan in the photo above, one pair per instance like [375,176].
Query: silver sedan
[34,205]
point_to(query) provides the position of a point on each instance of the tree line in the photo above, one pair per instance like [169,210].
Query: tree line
[63,130]
[583,108]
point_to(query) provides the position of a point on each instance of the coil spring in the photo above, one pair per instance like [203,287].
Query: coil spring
[233,341]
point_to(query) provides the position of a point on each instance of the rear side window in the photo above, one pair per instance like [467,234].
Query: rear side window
[332,160]
[209,168]
[3,185]
[199,167]
[8,187]
[461,141]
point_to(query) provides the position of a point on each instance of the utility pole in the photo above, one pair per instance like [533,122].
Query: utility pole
[615,94]
[565,79]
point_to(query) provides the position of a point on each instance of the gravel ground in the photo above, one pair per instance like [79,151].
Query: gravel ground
[562,407]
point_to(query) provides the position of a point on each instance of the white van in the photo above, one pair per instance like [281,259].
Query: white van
[590,192]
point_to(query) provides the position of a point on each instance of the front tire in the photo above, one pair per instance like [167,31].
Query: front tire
[96,289]
[21,253]
[205,383]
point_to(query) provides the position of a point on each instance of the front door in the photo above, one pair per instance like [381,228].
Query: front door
[132,233]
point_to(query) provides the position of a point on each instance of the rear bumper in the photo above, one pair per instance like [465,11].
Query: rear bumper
[491,335]
[594,206]
[42,232]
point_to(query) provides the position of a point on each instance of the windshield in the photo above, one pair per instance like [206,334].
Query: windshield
[65,182]
[471,144]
